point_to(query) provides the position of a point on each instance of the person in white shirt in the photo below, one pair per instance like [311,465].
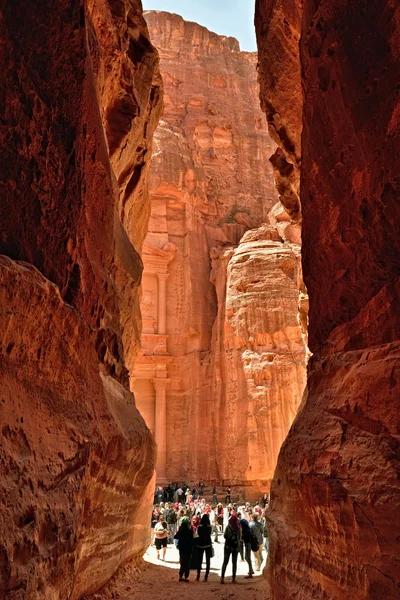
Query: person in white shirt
[161,537]
[214,523]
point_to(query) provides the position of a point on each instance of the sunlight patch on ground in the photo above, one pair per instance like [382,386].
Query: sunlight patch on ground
[172,561]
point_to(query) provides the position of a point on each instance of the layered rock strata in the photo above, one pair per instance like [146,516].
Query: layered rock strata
[336,494]
[80,97]
[217,380]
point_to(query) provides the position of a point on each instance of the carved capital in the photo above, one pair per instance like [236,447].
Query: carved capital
[160,383]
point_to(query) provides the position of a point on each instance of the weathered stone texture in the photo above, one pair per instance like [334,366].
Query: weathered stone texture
[80,83]
[278,27]
[258,355]
[336,495]
[235,376]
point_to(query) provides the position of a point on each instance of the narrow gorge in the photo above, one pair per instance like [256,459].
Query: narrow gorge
[149,245]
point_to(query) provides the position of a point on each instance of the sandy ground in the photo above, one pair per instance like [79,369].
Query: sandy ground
[153,579]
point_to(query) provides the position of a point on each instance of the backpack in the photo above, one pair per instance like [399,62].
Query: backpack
[253,541]
[232,539]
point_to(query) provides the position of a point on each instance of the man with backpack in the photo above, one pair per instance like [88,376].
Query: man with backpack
[231,548]
[248,541]
[257,531]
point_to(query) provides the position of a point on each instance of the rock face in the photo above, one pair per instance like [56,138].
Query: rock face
[79,101]
[278,26]
[217,380]
[336,494]
[258,356]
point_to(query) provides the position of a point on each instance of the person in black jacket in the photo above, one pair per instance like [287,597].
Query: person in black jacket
[231,548]
[184,535]
[246,537]
[204,545]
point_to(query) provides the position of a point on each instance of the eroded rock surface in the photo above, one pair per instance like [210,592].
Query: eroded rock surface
[232,376]
[80,86]
[278,27]
[336,495]
[258,355]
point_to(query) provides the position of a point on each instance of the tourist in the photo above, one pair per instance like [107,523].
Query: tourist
[201,488]
[214,495]
[184,537]
[228,495]
[194,562]
[220,516]
[154,516]
[180,495]
[159,495]
[187,495]
[241,544]
[257,529]
[170,518]
[161,537]
[214,523]
[231,548]
[204,545]
[181,516]
[169,493]
[266,533]
[246,536]
[264,500]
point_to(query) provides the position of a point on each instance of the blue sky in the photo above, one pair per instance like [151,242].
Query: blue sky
[226,17]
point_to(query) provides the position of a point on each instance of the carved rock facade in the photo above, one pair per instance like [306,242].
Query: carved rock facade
[80,97]
[336,494]
[231,378]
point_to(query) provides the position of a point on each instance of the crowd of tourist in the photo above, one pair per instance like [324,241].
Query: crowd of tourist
[182,516]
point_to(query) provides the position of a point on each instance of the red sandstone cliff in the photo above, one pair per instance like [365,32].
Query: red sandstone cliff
[79,101]
[335,496]
[232,377]
[258,355]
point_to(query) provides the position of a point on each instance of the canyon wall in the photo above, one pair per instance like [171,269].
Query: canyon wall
[335,497]
[222,366]
[79,100]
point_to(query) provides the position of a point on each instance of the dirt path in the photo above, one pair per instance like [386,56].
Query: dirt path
[155,580]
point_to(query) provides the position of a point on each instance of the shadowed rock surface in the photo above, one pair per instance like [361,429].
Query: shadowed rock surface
[336,494]
[79,100]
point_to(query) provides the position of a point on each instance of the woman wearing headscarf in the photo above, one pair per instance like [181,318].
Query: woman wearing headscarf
[246,536]
[184,535]
[204,545]
[232,538]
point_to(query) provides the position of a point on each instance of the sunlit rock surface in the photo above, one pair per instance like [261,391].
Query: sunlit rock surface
[80,97]
[231,353]
[258,355]
[336,497]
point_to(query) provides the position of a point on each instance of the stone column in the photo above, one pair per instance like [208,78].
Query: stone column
[162,303]
[161,429]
